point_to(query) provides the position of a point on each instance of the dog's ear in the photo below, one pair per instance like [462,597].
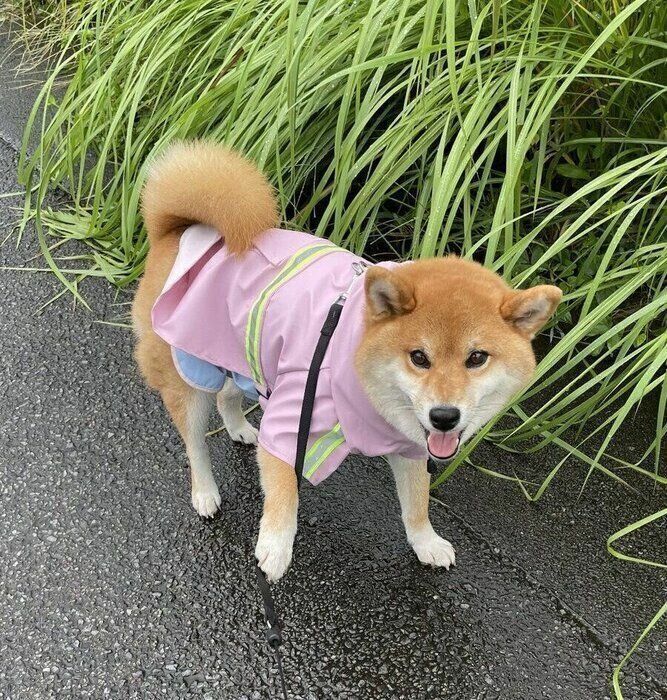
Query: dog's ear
[529,309]
[388,293]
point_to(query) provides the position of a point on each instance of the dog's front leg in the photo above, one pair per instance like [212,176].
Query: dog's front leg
[412,483]
[278,525]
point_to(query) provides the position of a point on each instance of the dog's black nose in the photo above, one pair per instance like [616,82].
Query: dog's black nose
[444,417]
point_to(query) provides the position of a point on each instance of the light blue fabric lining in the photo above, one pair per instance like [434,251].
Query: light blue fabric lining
[207,377]
[247,386]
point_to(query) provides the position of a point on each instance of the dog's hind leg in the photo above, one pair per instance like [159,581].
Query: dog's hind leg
[190,409]
[230,407]
[192,426]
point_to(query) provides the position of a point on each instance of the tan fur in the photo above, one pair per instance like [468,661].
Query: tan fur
[279,517]
[413,485]
[203,182]
[447,307]
[152,354]
[413,493]
[529,309]
[194,182]
[280,490]
[454,306]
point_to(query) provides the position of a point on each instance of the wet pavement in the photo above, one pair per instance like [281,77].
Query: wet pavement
[112,586]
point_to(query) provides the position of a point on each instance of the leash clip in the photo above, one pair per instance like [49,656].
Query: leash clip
[359,267]
[274,634]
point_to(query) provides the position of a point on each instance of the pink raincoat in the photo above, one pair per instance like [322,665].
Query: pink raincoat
[259,315]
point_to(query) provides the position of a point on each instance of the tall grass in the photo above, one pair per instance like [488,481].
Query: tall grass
[529,134]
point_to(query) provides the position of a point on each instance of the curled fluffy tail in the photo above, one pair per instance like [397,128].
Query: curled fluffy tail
[203,182]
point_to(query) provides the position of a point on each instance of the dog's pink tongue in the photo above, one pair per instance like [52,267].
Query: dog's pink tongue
[442,445]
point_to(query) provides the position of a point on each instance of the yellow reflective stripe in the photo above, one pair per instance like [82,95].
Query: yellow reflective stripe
[294,265]
[321,449]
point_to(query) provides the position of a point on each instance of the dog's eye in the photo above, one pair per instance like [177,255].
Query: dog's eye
[477,358]
[419,359]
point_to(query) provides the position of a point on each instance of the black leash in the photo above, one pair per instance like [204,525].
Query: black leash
[274,631]
[274,625]
[311,385]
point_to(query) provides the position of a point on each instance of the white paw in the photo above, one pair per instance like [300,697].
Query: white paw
[274,553]
[433,550]
[245,433]
[206,499]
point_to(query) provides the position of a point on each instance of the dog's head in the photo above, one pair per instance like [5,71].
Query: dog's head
[446,345]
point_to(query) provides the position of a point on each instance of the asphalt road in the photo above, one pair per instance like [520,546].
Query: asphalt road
[111,586]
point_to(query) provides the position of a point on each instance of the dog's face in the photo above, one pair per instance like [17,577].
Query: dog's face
[446,345]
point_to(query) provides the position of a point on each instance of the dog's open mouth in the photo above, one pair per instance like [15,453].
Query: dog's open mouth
[443,446]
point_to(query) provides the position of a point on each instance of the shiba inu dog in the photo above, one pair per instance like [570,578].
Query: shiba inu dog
[425,353]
